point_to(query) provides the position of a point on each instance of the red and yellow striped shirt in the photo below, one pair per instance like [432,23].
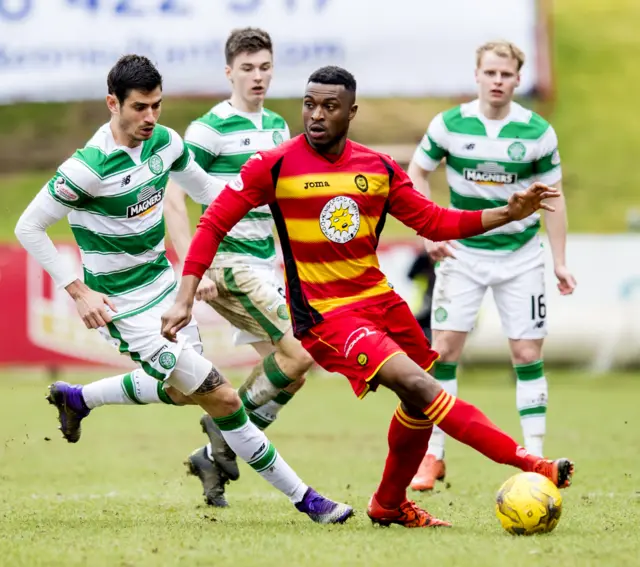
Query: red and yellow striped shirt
[329,216]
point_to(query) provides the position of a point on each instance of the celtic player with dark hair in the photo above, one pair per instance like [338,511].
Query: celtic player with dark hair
[242,283]
[112,193]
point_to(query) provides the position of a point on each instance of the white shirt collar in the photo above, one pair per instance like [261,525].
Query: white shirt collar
[110,144]
[517,113]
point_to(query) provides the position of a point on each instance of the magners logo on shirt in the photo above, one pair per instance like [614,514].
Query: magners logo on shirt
[490,173]
[148,197]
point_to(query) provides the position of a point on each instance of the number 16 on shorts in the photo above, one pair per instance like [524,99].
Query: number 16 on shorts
[538,310]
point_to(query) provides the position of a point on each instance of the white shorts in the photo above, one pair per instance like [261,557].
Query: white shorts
[517,283]
[179,364]
[252,299]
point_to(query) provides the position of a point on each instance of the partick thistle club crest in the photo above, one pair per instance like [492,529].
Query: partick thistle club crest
[340,220]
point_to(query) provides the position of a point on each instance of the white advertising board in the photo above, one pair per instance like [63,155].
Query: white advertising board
[63,49]
[598,327]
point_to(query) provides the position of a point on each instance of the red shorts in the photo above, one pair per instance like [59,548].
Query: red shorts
[358,343]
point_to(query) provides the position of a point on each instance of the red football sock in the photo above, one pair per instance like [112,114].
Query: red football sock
[408,442]
[469,425]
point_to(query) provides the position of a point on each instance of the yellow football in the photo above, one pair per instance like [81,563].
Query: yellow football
[528,503]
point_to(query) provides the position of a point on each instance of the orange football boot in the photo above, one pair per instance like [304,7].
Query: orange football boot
[407,514]
[430,470]
[559,471]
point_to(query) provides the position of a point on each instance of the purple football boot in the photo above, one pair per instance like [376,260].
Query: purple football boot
[71,408]
[322,510]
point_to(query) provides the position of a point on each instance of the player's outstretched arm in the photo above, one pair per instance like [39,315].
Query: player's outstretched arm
[521,204]
[43,212]
[472,223]
[437,223]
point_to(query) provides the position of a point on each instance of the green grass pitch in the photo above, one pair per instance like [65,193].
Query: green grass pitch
[120,497]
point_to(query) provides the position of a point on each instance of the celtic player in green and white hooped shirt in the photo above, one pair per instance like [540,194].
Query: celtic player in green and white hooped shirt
[112,192]
[493,147]
[222,141]
[242,285]
[114,199]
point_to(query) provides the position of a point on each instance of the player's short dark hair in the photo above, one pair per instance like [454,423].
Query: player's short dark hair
[332,75]
[246,40]
[132,72]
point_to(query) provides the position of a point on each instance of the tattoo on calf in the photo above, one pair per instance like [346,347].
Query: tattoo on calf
[212,382]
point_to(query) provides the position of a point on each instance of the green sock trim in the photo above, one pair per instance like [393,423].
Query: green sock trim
[130,389]
[266,460]
[445,370]
[283,398]
[246,402]
[258,421]
[234,421]
[164,397]
[531,371]
[274,374]
[529,412]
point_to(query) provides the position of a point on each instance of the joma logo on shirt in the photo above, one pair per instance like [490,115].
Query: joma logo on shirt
[146,201]
[312,184]
[477,176]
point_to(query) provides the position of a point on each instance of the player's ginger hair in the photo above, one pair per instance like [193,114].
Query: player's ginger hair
[503,49]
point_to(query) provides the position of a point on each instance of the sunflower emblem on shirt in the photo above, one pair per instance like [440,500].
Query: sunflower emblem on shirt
[340,220]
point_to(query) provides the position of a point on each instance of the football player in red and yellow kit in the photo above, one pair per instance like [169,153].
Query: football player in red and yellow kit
[329,197]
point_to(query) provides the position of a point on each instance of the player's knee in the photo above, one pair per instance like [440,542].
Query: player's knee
[304,360]
[448,346]
[227,400]
[526,357]
[293,359]
[417,390]
[525,352]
